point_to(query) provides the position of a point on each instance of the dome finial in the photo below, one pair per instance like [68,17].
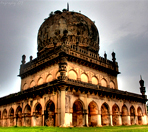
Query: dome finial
[67,6]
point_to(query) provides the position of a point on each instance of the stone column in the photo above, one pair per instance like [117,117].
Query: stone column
[14,120]
[32,120]
[120,120]
[86,117]
[62,78]
[23,121]
[99,118]
[86,120]
[63,106]
[111,120]
[43,118]
[129,120]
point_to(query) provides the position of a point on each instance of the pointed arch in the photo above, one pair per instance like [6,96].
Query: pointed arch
[112,85]
[5,124]
[25,86]
[92,113]
[19,110]
[57,74]
[27,109]
[78,116]
[105,116]
[38,114]
[27,115]
[115,114]
[103,82]
[50,113]
[124,115]
[84,77]
[32,83]
[72,74]
[139,112]
[49,78]
[132,115]
[11,112]
[94,80]
[40,81]
[19,116]
[11,116]
[4,113]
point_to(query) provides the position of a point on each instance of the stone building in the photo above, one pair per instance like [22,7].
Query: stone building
[69,84]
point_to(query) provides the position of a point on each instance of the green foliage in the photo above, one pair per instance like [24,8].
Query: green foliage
[135,128]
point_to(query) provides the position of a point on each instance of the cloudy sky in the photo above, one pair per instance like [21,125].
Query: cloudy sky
[122,25]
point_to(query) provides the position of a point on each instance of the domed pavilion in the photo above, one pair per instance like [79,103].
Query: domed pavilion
[68,83]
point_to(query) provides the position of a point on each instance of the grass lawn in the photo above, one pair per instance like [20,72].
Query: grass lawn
[135,128]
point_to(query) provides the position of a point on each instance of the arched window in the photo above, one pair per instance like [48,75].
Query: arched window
[94,80]
[84,78]
[25,86]
[103,83]
[58,74]
[32,84]
[49,78]
[112,85]
[72,75]
[40,81]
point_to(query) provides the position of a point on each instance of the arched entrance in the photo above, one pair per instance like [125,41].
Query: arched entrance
[105,117]
[50,114]
[5,124]
[132,115]
[11,117]
[92,114]
[115,114]
[77,116]
[124,115]
[38,115]
[139,111]
[27,116]
[19,116]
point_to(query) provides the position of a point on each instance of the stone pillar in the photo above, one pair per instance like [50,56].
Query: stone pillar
[120,120]
[144,119]
[14,120]
[86,119]
[63,106]
[70,116]
[32,120]
[23,121]
[99,120]
[111,120]
[129,120]
[43,118]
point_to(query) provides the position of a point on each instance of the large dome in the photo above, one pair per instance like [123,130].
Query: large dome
[70,27]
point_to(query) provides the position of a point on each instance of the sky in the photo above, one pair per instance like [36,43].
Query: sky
[122,26]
